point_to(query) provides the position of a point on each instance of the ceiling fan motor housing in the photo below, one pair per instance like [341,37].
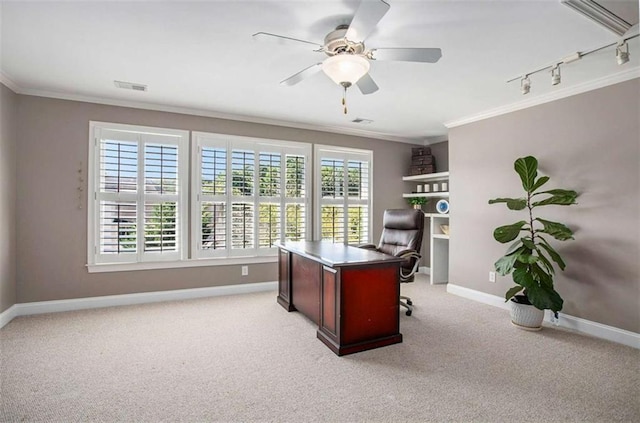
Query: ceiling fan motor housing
[336,43]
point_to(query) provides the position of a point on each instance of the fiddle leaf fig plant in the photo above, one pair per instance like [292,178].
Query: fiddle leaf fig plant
[530,259]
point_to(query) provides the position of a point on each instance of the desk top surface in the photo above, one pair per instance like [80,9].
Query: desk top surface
[335,255]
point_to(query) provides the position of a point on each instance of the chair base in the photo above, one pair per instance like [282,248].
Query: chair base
[407,303]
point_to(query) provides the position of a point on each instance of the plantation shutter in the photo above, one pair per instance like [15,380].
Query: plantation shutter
[344,179]
[139,195]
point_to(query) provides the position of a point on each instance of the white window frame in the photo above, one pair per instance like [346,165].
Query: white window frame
[142,135]
[346,154]
[257,145]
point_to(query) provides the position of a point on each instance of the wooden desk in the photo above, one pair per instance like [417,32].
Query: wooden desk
[352,294]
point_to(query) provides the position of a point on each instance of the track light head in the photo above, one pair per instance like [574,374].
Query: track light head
[622,53]
[525,85]
[555,75]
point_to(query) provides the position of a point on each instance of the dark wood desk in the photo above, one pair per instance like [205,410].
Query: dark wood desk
[352,294]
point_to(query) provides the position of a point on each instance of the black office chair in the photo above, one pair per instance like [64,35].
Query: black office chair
[402,237]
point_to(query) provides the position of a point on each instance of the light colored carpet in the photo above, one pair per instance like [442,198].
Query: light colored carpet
[244,358]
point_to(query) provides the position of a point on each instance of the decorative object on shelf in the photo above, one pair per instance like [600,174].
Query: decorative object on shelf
[442,206]
[444,229]
[422,162]
[417,202]
[530,258]
[445,186]
[427,188]
[435,187]
[419,188]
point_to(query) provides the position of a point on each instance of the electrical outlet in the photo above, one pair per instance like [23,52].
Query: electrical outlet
[245,270]
[492,276]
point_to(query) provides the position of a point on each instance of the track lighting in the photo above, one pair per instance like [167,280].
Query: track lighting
[622,57]
[525,85]
[622,53]
[555,75]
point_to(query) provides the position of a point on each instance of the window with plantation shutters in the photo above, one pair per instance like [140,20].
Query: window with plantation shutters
[250,195]
[343,196]
[137,208]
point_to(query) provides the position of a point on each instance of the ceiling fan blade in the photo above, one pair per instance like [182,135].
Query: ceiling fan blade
[282,40]
[305,73]
[425,55]
[366,18]
[367,85]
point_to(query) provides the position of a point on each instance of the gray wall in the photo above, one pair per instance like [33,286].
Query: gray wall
[53,145]
[588,142]
[8,131]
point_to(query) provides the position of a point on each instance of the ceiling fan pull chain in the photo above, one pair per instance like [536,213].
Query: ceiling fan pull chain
[344,99]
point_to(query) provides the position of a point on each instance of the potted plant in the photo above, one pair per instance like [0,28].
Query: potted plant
[530,259]
[417,202]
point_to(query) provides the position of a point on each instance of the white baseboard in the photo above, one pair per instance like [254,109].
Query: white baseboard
[424,269]
[56,306]
[8,315]
[578,324]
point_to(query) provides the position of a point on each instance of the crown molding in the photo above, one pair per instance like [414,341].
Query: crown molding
[7,82]
[546,98]
[205,113]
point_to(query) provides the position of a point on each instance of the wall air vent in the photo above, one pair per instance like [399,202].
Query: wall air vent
[362,121]
[130,86]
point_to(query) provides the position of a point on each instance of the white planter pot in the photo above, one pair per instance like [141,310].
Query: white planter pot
[526,316]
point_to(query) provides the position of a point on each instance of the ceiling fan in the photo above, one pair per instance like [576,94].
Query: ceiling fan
[348,60]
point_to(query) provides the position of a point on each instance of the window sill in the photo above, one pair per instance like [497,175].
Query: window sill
[126,267]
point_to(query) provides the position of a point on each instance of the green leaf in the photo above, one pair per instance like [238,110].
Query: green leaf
[512,203]
[524,278]
[528,243]
[543,297]
[540,182]
[552,253]
[527,168]
[527,258]
[545,261]
[505,264]
[513,291]
[514,247]
[508,233]
[559,197]
[556,230]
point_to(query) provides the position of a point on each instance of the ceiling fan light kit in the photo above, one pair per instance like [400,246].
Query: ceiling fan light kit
[349,60]
[346,67]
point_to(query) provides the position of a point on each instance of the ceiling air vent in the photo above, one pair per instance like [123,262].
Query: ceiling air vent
[362,121]
[130,86]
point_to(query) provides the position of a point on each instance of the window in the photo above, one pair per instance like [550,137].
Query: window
[138,206]
[249,194]
[343,178]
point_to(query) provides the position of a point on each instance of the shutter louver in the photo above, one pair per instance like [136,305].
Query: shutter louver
[243,169]
[332,174]
[332,220]
[214,226]
[118,166]
[160,227]
[117,227]
[160,169]
[242,226]
[269,225]
[213,171]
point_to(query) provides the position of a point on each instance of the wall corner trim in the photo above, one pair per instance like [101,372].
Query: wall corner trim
[40,307]
[595,329]
[616,78]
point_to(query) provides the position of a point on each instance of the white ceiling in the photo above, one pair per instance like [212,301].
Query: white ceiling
[200,57]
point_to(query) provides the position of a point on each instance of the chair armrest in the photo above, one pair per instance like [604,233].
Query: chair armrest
[368,246]
[409,254]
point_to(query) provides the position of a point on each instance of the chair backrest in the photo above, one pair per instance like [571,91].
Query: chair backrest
[402,229]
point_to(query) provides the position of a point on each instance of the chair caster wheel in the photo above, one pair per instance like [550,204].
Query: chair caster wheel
[409,302]
[408,313]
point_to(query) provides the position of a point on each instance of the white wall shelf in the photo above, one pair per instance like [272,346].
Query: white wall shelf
[425,194]
[440,176]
